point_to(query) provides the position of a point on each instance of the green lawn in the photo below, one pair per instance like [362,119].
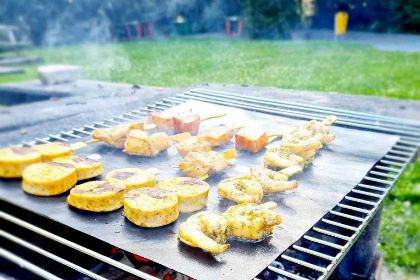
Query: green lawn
[323,66]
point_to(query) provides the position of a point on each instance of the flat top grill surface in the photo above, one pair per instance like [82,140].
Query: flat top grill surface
[335,171]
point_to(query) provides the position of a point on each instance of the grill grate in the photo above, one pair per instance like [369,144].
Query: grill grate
[327,242]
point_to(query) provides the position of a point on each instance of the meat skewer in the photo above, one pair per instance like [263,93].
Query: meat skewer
[200,164]
[165,121]
[117,135]
[253,140]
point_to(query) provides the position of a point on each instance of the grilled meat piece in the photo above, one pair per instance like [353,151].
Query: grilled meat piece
[250,139]
[251,221]
[241,189]
[199,164]
[187,123]
[117,135]
[193,144]
[218,135]
[205,230]
[272,181]
[139,143]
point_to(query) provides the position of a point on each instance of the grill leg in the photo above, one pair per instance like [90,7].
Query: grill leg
[361,256]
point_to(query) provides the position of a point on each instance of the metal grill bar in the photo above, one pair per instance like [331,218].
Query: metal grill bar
[333,234]
[314,253]
[300,106]
[323,242]
[285,273]
[395,161]
[354,208]
[303,263]
[49,255]
[27,265]
[75,246]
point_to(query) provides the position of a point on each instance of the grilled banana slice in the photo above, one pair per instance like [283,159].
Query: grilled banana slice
[193,144]
[133,178]
[241,189]
[252,221]
[51,151]
[48,178]
[272,181]
[97,196]
[86,168]
[251,140]
[205,230]
[140,144]
[151,207]
[14,160]
[192,193]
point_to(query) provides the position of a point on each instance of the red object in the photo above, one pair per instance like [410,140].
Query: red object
[239,25]
[138,258]
[138,30]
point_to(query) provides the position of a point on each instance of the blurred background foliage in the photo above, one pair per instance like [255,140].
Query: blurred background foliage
[57,22]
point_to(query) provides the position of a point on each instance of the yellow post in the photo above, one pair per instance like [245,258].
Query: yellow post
[341,19]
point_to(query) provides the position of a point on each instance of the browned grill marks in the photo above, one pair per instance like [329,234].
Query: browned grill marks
[154,192]
[66,165]
[123,175]
[85,160]
[22,150]
[102,188]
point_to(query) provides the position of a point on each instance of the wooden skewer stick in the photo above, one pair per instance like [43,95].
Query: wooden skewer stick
[269,205]
[229,154]
[204,177]
[92,141]
[276,134]
[291,170]
[213,117]
[77,146]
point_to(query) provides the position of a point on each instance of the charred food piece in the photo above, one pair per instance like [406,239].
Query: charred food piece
[241,189]
[251,221]
[151,207]
[193,144]
[14,160]
[86,168]
[117,135]
[139,143]
[199,164]
[205,230]
[48,178]
[133,178]
[97,196]
[218,135]
[251,140]
[192,193]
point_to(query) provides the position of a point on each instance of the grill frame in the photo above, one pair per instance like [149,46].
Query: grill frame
[368,195]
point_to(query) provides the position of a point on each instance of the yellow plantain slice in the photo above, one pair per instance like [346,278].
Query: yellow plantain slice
[51,151]
[14,160]
[48,178]
[151,207]
[97,196]
[133,178]
[192,193]
[86,168]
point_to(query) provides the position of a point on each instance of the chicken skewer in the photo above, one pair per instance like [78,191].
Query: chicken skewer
[253,140]
[298,147]
[199,164]
[116,136]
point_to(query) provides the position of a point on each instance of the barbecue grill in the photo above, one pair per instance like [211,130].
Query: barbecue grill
[318,252]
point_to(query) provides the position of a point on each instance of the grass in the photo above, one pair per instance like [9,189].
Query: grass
[321,66]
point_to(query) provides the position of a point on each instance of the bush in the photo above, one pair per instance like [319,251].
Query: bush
[271,19]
